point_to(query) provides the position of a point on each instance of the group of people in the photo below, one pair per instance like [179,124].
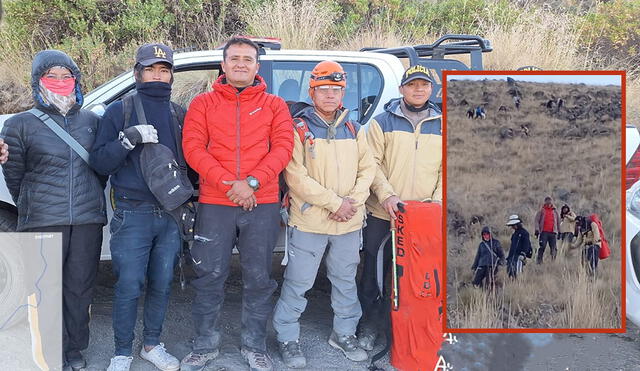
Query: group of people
[571,230]
[239,139]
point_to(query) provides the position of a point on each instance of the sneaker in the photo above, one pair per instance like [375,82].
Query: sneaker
[292,355]
[348,344]
[120,363]
[197,361]
[160,358]
[77,364]
[367,335]
[258,361]
[76,361]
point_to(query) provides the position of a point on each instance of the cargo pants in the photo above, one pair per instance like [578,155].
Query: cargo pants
[305,254]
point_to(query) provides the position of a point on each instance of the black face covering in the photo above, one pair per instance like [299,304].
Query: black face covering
[156,89]
[414,109]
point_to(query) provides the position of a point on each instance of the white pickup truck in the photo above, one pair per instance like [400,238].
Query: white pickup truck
[632,228]
[374,75]
[373,79]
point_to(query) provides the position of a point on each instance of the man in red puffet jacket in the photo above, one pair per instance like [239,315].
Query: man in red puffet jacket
[238,138]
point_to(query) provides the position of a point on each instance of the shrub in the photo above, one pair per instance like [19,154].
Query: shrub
[613,31]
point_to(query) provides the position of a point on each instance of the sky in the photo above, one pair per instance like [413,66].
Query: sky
[565,79]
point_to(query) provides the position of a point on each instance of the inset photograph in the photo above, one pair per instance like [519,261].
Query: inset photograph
[533,201]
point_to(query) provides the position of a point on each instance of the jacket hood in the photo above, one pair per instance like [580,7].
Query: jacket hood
[487,230]
[297,108]
[42,62]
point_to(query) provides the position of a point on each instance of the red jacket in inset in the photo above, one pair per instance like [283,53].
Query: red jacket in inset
[229,135]
[548,219]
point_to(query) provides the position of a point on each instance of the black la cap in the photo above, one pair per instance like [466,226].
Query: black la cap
[149,54]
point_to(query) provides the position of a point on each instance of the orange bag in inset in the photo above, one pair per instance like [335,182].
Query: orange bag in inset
[417,324]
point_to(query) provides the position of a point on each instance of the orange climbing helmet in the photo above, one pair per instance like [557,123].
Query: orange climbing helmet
[328,73]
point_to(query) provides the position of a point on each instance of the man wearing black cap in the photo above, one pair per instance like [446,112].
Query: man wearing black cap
[406,143]
[145,240]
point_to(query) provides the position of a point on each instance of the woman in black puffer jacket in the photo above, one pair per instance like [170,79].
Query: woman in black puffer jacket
[56,191]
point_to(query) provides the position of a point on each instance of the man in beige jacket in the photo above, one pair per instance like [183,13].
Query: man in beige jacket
[328,178]
[406,142]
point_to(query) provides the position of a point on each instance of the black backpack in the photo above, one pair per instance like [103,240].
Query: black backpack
[167,177]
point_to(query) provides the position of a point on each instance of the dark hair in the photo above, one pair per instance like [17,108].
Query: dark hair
[240,41]
[583,222]
[562,212]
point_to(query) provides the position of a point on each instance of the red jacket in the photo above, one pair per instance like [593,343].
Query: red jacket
[229,135]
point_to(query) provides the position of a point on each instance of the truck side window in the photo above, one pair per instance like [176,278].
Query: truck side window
[369,91]
[364,85]
[187,84]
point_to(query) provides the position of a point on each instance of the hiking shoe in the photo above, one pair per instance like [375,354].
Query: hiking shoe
[292,355]
[120,363]
[197,361]
[160,358]
[258,361]
[348,344]
[77,364]
[367,335]
[75,361]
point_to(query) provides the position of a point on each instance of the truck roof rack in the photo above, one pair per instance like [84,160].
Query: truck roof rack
[432,56]
[455,44]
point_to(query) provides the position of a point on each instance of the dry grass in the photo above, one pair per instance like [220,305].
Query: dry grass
[381,36]
[306,24]
[540,38]
[492,177]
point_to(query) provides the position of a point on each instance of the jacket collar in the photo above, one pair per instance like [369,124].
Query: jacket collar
[393,107]
[230,92]
[310,115]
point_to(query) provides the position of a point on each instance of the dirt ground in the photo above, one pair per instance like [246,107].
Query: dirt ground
[471,352]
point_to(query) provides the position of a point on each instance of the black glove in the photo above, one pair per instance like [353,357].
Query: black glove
[537,234]
[138,134]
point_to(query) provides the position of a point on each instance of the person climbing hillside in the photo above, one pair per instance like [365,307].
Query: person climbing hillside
[546,228]
[589,239]
[567,227]
[488,257]
[520,248]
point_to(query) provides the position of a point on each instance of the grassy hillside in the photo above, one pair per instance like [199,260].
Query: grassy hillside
[494,169]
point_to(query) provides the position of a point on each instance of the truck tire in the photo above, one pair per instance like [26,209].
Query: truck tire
[12,290]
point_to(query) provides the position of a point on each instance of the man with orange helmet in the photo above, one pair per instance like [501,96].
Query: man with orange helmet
[329,178]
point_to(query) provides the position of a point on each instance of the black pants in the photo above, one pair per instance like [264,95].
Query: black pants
[80,257]
[549,237]
[514,266]
[485,273]
[368,291]
[590,258]
[255,233]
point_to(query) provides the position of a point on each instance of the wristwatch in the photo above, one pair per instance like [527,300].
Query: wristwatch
[253,183]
